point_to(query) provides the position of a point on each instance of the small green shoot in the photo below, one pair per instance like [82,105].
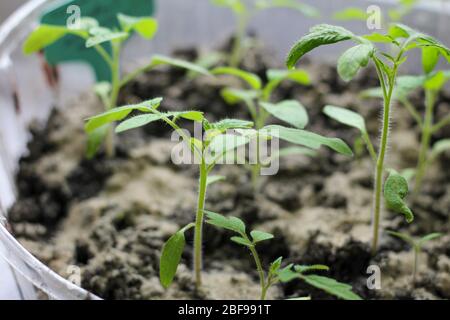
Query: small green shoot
[108,43]
[403,39]
[276,273]
[215,145]
[245,10]
[417,245]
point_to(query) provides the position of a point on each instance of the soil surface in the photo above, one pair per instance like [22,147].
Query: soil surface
[110,217]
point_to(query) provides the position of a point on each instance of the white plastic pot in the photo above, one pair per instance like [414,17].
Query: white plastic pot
[26,96]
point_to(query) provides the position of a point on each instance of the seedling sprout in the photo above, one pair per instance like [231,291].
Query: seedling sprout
[100,39]
[244,10]
[276,273]
[417,245]
[404,39]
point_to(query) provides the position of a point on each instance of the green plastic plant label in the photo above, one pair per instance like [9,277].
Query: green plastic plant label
[71,48]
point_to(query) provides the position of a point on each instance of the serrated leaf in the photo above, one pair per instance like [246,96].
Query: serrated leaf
[251,79]
[290,111]
[275,266]
[241,241]
[45,35]
[307,139]
[347,117]
[146,27]
[338,289]
[137,122]
[259,236]
[315,267]
[170,258]
[95,140]
[229,223]
[319,35]
[351,14]
[395,191]
[354,59]
[158,60]
[120,113]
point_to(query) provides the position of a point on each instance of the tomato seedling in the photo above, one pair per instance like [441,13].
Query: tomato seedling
[404,39]
[244,10]
[102,39]
[276,273]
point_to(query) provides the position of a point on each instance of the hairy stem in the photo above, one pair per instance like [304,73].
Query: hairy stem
[416,263]
[199,225]
[236,53]
[426,138]
[379,172]
[262,276]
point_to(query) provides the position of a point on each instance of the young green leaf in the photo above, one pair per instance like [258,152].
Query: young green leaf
[259,236]
[354,59]
[338,289]
[285,152]
[102,35]
[137,122]
[241,241]
[231,223]
[436,81]
[170,258]
[350,14]
[429,237]
[440,147]
[120,113]
[228,124]
[275,266]
[95,139]
[290,111]
[430,58]
[146,27]
[163,60]
[319,35]
[315,267]
[224,143]
[286,274]
[45,35]
[300,76]
[307,139]
[403,236]
[252,79]
[103,90]
[395,191]
[347,117]
[233,96]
